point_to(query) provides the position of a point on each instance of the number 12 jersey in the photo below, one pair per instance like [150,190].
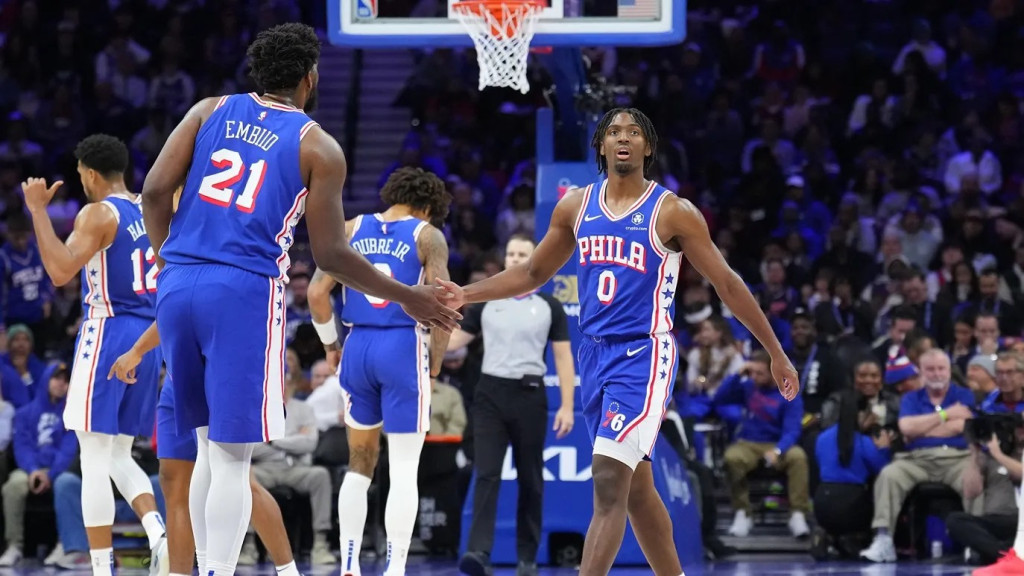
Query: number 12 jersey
[244,192]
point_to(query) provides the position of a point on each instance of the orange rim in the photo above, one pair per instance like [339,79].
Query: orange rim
[495,6]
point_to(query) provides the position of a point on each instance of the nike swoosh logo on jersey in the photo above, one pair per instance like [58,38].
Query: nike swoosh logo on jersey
[632,353]
[588,218]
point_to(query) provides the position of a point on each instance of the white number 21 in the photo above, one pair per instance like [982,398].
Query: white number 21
[218,188]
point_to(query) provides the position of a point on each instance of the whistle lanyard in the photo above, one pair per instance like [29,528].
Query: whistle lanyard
[804,372]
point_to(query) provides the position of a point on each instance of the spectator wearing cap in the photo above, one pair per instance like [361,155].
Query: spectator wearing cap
[981,376]
[769,436]
[816,215]
[932,424]
[902,375]
[43,449]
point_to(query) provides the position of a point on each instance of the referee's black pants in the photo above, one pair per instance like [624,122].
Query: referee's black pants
[505,412]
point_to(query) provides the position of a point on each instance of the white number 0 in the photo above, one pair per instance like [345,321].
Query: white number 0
[380,302]
[606,283]
[216,188]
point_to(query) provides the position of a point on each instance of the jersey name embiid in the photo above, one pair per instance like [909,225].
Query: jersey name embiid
[245,192]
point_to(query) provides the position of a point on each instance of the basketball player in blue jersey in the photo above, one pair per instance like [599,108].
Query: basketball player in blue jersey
[388,360]
[177,455]
[109,248]
[631,234]
[251,166]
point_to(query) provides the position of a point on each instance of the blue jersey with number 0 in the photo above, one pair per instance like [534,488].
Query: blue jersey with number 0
[391,247]
[120,280]
[244,192]
[627,278]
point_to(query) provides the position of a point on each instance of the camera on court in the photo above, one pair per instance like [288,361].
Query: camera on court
[980,430]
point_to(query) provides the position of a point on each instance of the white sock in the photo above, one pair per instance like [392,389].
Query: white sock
[154,526]
[403,498]
[102,561]
[201,561]
[352,520]
[288,569]
[228,506]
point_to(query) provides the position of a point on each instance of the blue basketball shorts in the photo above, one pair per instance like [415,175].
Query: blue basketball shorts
[385,375]
[626,386]
[96,404]
[169,444]
[222,331]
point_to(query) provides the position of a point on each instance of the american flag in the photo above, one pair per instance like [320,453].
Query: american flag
[640,8]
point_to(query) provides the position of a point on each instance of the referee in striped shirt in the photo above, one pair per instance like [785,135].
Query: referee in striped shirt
[510,405]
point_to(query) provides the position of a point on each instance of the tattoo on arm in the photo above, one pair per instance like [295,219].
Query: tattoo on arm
[433,250]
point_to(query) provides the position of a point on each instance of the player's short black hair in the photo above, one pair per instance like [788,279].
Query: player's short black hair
[646,126]
[281,56]
[417,188]
[104,154]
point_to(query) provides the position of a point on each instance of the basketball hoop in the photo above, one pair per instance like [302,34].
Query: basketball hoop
[501,31]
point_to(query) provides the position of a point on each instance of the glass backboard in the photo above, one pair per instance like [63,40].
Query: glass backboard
[427,23]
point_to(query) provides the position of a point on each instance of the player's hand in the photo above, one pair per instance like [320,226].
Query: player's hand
[564,420]
[333,352]
[785,377]
[429,308]
[124,367]
[37,195]
[453,294]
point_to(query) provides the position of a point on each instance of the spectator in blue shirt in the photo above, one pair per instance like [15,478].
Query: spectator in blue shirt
[768,437]
[932,424]
[19,361]
[43,449]
[29,292]
[848,459]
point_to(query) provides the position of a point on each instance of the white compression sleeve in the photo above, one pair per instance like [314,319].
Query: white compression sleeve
[403,497]
[98,508]
[198,490]
[228,506]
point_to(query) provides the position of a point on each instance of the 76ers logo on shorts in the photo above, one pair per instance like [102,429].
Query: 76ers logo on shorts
[366,9]
[612,418]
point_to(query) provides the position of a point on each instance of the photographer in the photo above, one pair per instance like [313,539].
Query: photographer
[994,468]
[849,459]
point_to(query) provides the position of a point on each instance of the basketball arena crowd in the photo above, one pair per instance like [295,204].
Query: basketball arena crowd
[860,164]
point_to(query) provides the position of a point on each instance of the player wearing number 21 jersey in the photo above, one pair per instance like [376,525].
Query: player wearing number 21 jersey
[250,165]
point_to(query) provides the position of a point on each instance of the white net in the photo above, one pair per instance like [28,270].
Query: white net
[501,32]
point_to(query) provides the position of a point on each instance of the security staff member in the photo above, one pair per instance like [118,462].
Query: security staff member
[510,406]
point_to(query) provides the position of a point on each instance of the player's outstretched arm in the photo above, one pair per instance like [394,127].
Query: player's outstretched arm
[323,164]
[95,227]
[168,173]
[433,251]
[124,366]
[681,220]
[551,254]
